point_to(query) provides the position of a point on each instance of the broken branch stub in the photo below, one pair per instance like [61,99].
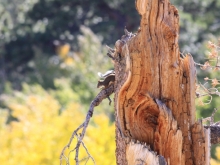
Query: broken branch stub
[155,88]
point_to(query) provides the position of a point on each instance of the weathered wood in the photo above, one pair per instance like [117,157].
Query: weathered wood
[140,154]
[167,136]
[155,89]
[201,144]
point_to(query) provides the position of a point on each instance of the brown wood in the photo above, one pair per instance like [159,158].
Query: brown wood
[155,90]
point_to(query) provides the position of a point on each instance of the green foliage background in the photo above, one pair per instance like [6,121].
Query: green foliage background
[51,51]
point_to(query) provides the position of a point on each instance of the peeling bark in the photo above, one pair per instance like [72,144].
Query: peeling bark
[155,91]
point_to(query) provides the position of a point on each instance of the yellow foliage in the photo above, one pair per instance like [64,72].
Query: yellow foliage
[42,131]
[217,153]
[68,61]
[214,162]
[63,50]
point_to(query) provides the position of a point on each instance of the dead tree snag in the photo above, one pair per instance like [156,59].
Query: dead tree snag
[155,92]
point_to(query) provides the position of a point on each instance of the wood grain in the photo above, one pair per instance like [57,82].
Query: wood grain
[155,87]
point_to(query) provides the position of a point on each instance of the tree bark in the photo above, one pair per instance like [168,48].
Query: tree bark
[155,94]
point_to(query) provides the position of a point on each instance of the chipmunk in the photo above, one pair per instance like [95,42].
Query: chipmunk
[109,78]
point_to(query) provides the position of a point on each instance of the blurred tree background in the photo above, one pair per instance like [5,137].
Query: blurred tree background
[51,51]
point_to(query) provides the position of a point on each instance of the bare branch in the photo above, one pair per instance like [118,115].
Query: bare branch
[104,93]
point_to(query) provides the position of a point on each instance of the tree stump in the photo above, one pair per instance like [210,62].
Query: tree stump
[155,94]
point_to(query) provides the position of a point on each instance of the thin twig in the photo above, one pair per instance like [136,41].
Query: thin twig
[212,116]
[88,152]
[207,93]
[70,141]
